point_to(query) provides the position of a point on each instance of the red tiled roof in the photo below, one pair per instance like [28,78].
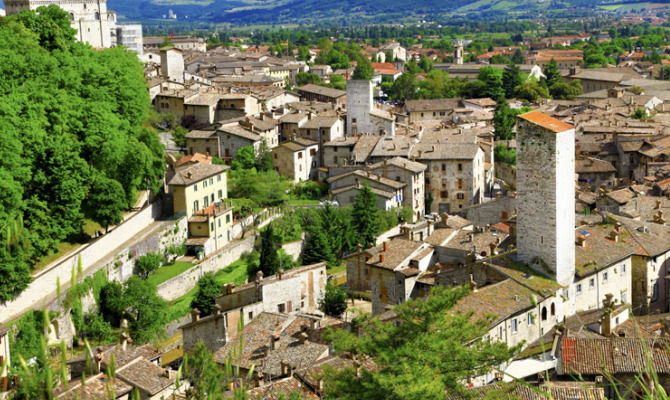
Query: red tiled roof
[196,157]
[546,121]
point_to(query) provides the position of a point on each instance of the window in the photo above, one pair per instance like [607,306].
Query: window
[195,206]
[205,201]
[460,167]
[444,194]
[579,288]
[444,167]
[218,178]
[281,308]
[220,193]
[300,154]
[460,183]
[553,310]
[515,326]
[623,268]
[566,293]
[212,198]
[604,276]
[530,319]
[211,181]
[592,283]
[219,222]
[195,187]
[204,184]
[251,316]
[228,218]
[312,152]
[275,156]
[624,297]
[211,226]
[654,292]
[544,313]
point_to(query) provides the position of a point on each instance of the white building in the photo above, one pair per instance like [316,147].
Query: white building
[362,116]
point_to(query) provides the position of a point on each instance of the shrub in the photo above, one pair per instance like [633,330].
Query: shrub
[148,263]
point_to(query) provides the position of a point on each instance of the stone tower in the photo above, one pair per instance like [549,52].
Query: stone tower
[172,64]
[458,50]
[359,105]
[545,178]
[90,18]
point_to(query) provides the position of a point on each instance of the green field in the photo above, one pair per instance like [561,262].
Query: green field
[167,272]
[625,6]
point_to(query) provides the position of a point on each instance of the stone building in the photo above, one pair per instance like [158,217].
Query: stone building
[297,159]
[545,177]
[412,174]
[298,289]
[311,92]
[172,64]
[91,19]
[210,228]
[345,187]
[455,177]
[362,115]
[594,173]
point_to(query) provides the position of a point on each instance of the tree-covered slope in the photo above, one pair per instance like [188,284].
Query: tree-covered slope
[320,11]
[72,143]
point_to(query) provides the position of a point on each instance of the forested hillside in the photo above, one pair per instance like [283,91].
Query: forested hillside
[345,12]
[72,144]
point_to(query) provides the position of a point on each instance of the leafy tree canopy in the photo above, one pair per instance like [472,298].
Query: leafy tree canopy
[71,120]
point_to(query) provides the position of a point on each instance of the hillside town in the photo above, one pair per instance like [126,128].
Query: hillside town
[304,214]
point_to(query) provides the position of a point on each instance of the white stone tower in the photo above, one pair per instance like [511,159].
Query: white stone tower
[172,64]
[545,178]
[458,44]
[359,105]
[90,18]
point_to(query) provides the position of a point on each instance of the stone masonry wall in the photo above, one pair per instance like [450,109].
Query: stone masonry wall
[44,283]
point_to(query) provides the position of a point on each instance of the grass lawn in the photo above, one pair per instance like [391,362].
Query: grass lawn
[302,202]
[235,272]
[91,227]
[335,270]
[166,272]
[63,248]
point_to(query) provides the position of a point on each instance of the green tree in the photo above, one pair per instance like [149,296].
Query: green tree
[105,201]
[303,53]
[531,91]
[205,375]
[423,354]
[503,121]
[517,57]
[334,301]
[403,88]
[207,290]
[147,264]
[303,78]
[365,216]
[317,248]
[245,158]
[338,82]
[566,91]
[112,305]
[179,136]
[511,78]
[492,79]
[551,73]
[146,310]
[269,260]
[334,226]
[425,64]
[264,158]
[364,70]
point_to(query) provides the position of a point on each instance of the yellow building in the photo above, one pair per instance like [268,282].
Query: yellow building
[210,229]
[198,186]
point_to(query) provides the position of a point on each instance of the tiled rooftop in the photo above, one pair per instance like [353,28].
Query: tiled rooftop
[195,173]
[546,121]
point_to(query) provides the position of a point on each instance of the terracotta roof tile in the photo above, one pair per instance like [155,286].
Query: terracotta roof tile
[546,121]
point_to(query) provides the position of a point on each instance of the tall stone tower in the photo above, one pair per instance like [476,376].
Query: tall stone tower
[359,105]
[545,178]
[458,44]
[90,18]
[172,64]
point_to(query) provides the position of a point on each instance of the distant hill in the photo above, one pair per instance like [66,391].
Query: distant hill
[321,11]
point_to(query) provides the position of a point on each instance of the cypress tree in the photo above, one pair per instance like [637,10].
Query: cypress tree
[511,78]
[317,249]
[269,260]
[365,216]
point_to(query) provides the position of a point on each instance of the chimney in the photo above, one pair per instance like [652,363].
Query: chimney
[302,336]
[581,241]
[386,246]
[98,362]
[285,368]
[617,226]
[614,236]
[217,309]
[606,322]
[195,315]
[274,341]
[312,324]
[381,258]
[493,248]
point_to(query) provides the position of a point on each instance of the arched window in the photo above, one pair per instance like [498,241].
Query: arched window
[544,313]
[553,309]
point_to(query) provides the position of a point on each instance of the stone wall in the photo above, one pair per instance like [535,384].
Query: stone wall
[395,231]
[506,172]
[491,212]
[180,285]
[43,286]
[294,249]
